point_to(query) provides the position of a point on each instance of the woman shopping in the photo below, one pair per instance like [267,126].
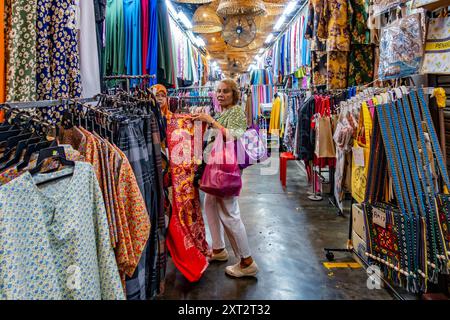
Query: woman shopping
[223,213]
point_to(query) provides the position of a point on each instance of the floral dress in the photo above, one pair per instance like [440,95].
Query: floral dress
[21,50]
[58,68]
[361,58]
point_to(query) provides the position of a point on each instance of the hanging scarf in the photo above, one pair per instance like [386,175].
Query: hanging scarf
[186,238]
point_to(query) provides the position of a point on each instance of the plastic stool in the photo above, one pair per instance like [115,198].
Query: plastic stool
[284,158]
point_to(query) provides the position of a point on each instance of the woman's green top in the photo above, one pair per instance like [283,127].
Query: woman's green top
[234,120]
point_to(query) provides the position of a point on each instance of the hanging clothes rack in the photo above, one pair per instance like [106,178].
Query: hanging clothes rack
[44,103]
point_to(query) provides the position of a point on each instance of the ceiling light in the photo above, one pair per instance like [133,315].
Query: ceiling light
[269,38]
[182,17]
[213,39]
[289,8]
[279,23]
[171,8]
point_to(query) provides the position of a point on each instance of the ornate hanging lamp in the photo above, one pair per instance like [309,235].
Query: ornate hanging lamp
[241,7]
[205,20]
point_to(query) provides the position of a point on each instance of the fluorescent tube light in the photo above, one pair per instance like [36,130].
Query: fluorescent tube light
[269,38]
[171,8]
[289,8]
[279,23]
[182,17]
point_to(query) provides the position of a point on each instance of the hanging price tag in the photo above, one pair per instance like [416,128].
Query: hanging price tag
[358,156]
[379,217]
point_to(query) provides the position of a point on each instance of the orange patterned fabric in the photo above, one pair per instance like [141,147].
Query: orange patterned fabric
[93,156]
[123,249]
[74,137]
[127,214]
[132,207]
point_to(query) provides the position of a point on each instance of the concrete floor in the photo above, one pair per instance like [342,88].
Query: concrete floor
[287,233]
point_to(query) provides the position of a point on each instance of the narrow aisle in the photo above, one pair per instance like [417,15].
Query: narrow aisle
[287,234]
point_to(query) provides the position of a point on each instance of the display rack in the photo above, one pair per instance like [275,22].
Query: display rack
[45,103]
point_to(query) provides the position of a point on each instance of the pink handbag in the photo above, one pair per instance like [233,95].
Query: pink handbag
[222,175]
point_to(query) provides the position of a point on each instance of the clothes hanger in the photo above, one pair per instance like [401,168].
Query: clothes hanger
[21,147]
[33,148]
[35,132]
[56,153]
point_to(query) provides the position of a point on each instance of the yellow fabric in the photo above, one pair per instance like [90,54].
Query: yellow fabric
[274,126]
[441,97]
[282,110]
[359,174]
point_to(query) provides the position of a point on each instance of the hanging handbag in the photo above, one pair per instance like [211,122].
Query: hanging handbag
[222,176]
[401,48]
[440,211]
[251,148]
[388,228]
[437,57]
[325,147]
[360,154]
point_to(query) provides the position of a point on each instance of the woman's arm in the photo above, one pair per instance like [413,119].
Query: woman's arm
[212,123]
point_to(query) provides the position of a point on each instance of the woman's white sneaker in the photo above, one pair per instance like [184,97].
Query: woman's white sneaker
[238,272]
[222,256]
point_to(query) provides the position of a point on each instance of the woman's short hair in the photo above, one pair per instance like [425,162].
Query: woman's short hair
[234,87]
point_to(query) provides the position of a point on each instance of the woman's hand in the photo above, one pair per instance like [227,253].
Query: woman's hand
[203,117]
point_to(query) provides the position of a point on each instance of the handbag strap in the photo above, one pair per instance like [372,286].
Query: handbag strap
[417,198]
[443,254]
[430,192]
[402,184]
[434,140]
[392,152]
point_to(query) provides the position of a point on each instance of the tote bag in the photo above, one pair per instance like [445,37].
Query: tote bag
[324,133]
[359,171]
[251,148]
[437,47]
[222,176]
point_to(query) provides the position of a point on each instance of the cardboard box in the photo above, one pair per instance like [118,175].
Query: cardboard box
[358,225]
[360,247]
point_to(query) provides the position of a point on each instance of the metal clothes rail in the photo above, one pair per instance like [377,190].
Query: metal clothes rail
[45,103]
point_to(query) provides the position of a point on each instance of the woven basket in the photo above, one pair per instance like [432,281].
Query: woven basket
[205,20]
[241,7]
